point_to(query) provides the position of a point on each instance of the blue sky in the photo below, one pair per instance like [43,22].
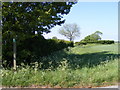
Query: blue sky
[91,17]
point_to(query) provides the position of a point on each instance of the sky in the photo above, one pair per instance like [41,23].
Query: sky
[91,17]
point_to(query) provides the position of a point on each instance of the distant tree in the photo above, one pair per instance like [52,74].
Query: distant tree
[93,37]
[54,37]
[70,31]
[97,35]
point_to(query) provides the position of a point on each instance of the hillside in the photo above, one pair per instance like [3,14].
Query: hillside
[78,67]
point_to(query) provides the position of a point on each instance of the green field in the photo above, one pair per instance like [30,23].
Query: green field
[80,66]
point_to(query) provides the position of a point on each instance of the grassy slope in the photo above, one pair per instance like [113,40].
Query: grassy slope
[81,66]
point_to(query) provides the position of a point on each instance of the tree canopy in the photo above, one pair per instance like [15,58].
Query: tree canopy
[93,37]
[28,17]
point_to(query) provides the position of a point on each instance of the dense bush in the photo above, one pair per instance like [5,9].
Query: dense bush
[31,48]
[106,41]
[56,44]
[95,42]
[81,43]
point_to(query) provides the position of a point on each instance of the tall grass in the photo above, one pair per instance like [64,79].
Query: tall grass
[79,67]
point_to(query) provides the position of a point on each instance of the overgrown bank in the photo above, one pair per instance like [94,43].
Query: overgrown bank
[81,66]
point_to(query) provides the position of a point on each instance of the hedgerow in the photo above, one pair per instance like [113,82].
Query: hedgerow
[34,47]
[95,42]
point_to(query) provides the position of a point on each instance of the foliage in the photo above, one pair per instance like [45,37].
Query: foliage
[70,31]
[28,17]
[39,47]
[106,42]
[81,43]
[93,37]
[56,44]
[95,42]
[20,20]
[89,66]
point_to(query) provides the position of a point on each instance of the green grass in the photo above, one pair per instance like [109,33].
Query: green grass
[81,66]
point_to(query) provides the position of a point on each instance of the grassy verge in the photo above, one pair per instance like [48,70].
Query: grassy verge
[86,66]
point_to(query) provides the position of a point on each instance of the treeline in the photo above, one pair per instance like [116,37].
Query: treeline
[95,42]
[94,38]
[31,48]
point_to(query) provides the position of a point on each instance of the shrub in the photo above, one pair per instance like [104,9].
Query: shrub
[56,44]
[81,43]
[31,48]
[43,47]
[106,42]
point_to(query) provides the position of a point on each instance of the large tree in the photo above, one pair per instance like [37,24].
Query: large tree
[70,31]
[28,17]
[21,20]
